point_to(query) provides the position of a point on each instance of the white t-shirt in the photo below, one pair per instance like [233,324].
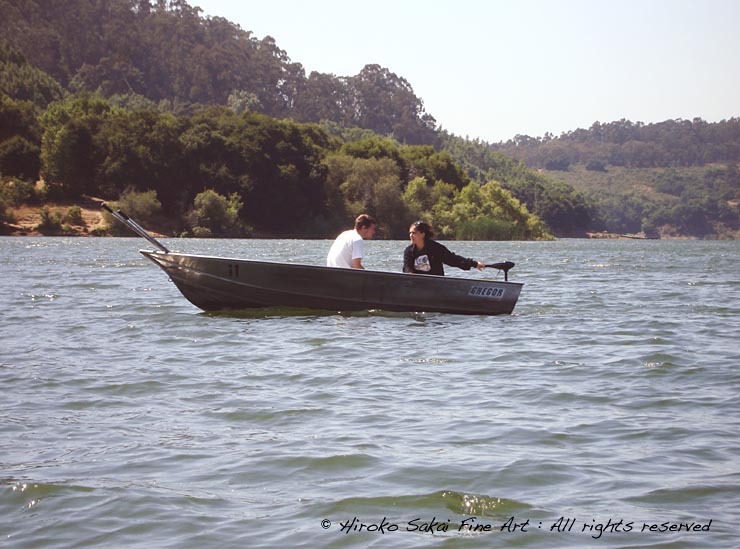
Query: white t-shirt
[346,247]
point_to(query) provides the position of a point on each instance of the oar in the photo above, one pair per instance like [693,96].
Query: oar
[503,266]
[134,226]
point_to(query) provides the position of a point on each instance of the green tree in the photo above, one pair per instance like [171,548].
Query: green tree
[19,157]
[20,138]
[324,97]
[216,215]
[374,146]
[240,101]
[418,198]
[70,155]
[489,212]
[23,82]
[386,104]
[374,186]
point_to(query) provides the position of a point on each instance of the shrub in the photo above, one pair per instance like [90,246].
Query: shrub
[141,206]
[202,232]
[51,222]
[5,216]
[74,216]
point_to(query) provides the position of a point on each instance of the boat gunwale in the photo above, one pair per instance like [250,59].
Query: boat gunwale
[348,271]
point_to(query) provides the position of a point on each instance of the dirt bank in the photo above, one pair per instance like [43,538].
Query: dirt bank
[26,219]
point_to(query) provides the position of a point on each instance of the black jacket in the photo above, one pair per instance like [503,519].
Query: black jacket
[430,259]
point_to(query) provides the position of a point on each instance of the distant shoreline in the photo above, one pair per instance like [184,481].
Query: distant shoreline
[27,219]
[634,236]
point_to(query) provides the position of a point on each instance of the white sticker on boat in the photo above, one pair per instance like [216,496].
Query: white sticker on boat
[487,292]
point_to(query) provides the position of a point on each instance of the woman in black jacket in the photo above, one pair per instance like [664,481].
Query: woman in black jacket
[426,256]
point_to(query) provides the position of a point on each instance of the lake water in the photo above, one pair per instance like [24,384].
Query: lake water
[603,413]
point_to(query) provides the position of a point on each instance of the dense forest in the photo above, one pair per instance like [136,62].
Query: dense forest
[215,171]
[208,130]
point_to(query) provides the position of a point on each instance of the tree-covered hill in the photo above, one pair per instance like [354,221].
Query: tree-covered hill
[668,144]
[166,51]
[118,97]
[673,178]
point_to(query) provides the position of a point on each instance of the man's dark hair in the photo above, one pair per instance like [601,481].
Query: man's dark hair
[364,220]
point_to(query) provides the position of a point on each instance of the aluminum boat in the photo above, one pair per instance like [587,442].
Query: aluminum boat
[220,283]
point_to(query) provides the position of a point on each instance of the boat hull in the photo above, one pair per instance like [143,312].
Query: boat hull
[219,284]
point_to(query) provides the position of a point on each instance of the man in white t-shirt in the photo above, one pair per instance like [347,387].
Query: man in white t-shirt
[347,250]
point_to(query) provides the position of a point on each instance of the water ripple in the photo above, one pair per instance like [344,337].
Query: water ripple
[132,419]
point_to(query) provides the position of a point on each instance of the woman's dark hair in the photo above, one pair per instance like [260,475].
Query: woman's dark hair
[424,228]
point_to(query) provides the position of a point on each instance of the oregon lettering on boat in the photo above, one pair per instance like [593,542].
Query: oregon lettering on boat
[486,291]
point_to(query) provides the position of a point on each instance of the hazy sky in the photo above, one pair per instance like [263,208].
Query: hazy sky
[492,69]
